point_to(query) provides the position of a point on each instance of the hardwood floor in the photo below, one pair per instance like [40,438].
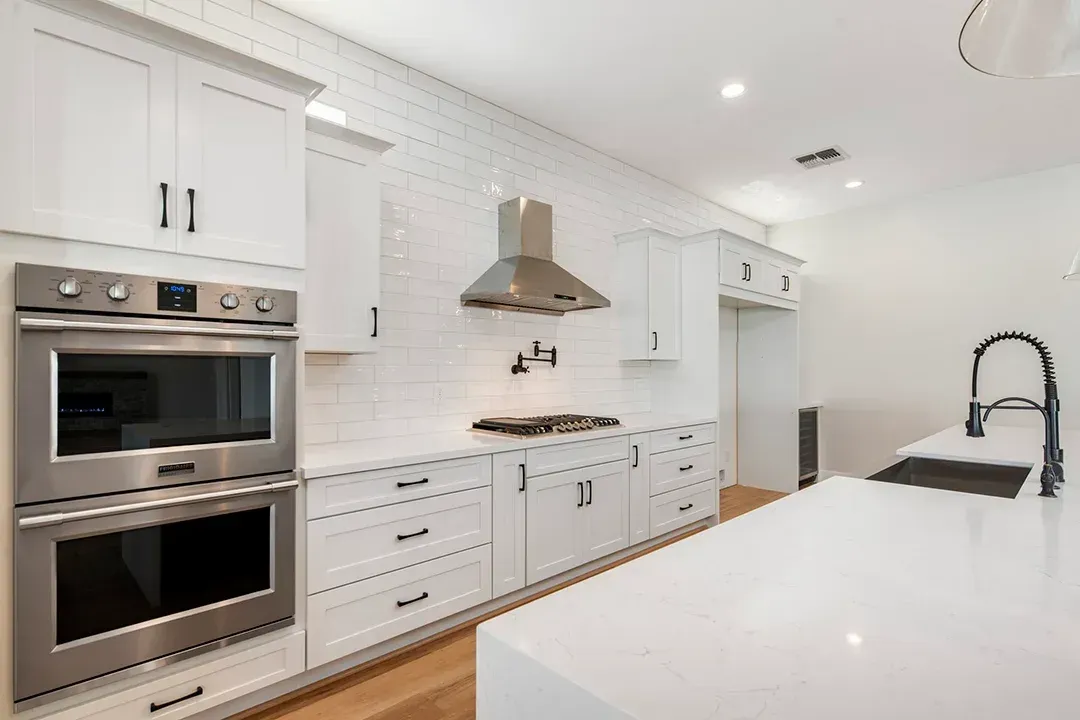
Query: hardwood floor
[434,680]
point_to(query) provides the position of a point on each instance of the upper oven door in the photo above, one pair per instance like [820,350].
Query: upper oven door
[108,404]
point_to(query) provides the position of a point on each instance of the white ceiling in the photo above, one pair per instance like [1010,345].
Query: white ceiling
[639,80]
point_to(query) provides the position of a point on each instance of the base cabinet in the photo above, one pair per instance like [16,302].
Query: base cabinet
[508,495]
[575,516]
[639,488]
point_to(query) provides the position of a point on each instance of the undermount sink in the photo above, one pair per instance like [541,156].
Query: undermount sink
[977,478]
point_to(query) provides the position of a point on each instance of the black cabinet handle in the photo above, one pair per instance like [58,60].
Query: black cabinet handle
[164,205]
[414,482]
[581,494]
[154,707]
[425,531]
[745,270]
[589,483]
[684,469]
[686,437]
[749,271]
[375,319]
[521,487]
[636,456]
[654,341]
[191,212]
[685,507]
[403,603]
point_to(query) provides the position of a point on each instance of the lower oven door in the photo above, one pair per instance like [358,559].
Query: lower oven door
[110,586]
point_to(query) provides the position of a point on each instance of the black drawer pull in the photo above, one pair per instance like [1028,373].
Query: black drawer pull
[414,482]
[589,483]
[154,707]
[684,469]
[403,603]
[636,456]
[686,437]
[686,507]
[581,494]
[521,487]
[425,531]
[191,209]
[375,322]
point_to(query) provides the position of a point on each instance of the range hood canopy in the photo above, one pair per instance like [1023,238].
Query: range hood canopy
[526,278]
[1023,38]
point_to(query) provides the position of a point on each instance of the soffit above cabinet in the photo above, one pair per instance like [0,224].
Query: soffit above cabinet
[183,42]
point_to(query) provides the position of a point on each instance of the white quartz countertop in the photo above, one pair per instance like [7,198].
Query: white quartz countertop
[849,600]
[340,458]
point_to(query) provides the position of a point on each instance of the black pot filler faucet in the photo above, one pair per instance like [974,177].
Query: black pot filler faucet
[1053,473]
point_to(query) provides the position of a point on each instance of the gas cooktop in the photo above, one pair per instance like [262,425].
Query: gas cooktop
[543,424]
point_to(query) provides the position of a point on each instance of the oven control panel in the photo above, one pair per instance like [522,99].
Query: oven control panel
[41,287]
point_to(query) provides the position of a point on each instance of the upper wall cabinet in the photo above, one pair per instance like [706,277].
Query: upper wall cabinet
[340,307]
[110,138]
[755,273]
[649,295]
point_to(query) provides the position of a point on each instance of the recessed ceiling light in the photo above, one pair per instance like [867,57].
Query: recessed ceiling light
[851,185]
[732,91]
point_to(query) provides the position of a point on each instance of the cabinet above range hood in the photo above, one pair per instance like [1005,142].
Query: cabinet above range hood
[526,278]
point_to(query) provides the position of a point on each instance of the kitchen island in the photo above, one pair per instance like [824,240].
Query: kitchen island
[850,600]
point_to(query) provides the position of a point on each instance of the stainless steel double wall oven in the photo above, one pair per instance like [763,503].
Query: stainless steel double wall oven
[155,483]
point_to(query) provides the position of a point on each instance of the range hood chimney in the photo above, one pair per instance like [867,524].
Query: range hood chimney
[526,278]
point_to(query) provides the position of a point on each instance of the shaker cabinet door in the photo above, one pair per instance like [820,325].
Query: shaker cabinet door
[607,510]
[88,133]
[665,299]
[240,167]
[508,495]
[555,509]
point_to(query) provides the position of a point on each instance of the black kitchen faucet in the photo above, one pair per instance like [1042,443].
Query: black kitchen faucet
[1053,472]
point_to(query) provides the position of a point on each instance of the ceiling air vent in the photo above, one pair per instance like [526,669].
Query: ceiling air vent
[821,158]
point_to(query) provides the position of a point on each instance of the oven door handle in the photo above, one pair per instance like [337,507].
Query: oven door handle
[36,521]
[224,331]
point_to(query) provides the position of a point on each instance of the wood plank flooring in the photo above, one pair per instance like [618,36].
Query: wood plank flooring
[434,680]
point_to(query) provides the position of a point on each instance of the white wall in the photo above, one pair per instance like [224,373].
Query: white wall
[895,297]
[456,158]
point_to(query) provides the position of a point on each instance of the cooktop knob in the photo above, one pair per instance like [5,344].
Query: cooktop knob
[118,291]
[69,287]
[264,304]
[229,301]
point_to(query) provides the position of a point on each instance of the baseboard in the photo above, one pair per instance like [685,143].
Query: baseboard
[318,678]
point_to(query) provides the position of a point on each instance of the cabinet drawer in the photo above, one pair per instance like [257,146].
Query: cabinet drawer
[556,458]
[681,507]
[664,440]
[340,494]
[350,618]
[680,468]
[220,680]
[346,548]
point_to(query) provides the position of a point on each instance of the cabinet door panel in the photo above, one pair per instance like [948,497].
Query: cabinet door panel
[607,506]
[639,488]
[732,268]
[342,255]
[508,523]
[664,300]
[92,133]
[555,511]
[792,292]
[241,149]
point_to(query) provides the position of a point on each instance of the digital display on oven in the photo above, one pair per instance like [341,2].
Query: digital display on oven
[180,297]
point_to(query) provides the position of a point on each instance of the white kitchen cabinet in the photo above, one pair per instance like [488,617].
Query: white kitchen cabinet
[340,308]
[575,516]
[639,488]
[739,268]
[240,167]
[91,132]
[790,285]
[749,267]
[120,130]
[508,494]
[607,510]
[649,295]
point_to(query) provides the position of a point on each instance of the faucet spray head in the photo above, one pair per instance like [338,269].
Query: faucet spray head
[974,422]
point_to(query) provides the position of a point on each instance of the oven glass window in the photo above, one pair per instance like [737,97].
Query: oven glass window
[106,582]
[107,403]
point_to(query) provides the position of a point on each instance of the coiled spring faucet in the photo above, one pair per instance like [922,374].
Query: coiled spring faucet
[1053,473]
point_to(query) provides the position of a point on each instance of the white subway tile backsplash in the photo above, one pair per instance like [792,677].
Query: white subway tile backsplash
[456,157]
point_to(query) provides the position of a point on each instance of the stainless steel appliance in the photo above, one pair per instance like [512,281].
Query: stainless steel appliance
[155,473]
[543,424]
[526,277]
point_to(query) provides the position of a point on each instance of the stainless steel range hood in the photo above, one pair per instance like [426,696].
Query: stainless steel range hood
[526,278]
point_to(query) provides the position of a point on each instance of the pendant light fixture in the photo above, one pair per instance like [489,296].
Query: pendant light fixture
[1023,38]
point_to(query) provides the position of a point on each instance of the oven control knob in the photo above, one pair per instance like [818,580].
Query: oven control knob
[264,304]
[229,301]
[69,287]
[118,291]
